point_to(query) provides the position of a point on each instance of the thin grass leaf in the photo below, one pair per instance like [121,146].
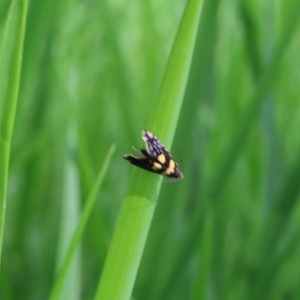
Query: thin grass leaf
[11,51]
[61,277]
[131,231]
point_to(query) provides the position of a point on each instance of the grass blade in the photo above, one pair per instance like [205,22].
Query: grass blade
[134,221]
[10,65]
[80,227]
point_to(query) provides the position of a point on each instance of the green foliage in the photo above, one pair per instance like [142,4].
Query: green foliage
[11,50]
[91,74]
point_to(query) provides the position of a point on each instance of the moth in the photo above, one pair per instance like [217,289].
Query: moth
[155,158]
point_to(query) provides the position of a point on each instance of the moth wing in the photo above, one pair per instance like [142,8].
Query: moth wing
[141,162]
[153,145]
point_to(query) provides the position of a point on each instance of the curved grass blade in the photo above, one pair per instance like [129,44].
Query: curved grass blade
[132,228]
[80,227]
[11,52]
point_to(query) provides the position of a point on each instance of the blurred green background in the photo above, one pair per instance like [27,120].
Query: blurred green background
[90,77]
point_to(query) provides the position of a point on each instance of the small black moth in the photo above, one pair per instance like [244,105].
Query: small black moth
[155,158]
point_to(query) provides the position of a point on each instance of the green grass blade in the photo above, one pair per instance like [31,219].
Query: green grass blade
[131,231]
[69,219]
[11,52]
[55,294]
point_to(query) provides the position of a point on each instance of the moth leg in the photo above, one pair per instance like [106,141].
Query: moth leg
[137,150]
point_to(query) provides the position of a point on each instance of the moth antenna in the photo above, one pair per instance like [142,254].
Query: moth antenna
[136,149]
